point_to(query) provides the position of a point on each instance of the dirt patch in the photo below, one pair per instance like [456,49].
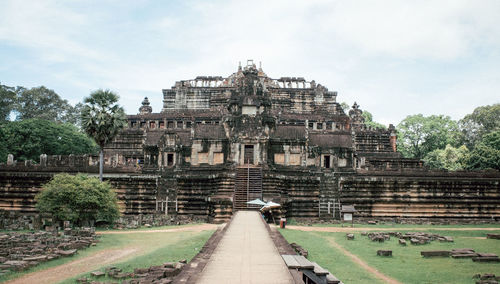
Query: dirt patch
[372,270]
[74,268]
[195,228]
[360,229]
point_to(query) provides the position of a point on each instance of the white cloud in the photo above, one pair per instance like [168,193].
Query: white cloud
[354,47]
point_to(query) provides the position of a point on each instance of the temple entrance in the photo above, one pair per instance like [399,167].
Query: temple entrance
[247,187]
[248,156]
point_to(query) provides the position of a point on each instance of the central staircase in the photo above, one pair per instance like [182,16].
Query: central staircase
[247,187]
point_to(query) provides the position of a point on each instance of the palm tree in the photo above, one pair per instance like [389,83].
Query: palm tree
[102,119]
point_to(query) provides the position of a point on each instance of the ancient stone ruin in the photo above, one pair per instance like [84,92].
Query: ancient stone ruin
[19,251]
[219,142]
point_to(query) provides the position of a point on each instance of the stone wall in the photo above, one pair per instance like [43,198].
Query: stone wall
[423,194]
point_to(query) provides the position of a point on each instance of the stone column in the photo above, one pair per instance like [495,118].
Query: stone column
[286,148]
[10,159]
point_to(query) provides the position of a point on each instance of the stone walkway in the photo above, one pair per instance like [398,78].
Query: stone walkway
[246,254]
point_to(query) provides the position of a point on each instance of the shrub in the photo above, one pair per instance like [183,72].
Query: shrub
[79,199]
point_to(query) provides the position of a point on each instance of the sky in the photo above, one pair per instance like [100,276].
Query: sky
[394,58]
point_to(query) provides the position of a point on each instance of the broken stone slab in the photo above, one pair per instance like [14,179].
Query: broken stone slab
[69,252]
[463,250]
[487,276]
[445,239]
[36,258]
[433,253]
[16,265]
[141,270]
[402,242]
[83,280]
[486,259]
[384,252]
[493,236]
[464,255]
[97,273]
[350,236]
[482,254]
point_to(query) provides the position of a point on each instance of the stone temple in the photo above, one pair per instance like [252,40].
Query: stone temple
[221,141]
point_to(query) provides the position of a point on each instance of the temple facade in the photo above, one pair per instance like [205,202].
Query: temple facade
[219,142]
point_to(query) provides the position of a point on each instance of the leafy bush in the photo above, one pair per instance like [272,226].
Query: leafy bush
[79,199]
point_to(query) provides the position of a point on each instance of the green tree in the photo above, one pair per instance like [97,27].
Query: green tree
[79,199]
[44,103]
[28,139]
[449,158]
[482,120]
[7,101]
[102,119]
[486,153]
[419,135]
[369,121]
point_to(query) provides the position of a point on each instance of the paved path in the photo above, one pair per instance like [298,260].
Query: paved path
[246,254]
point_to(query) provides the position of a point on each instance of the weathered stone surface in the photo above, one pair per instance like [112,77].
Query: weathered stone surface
[486,259]
[402,242]
[433,253]
[188,160]
[97,273]
[384,252]
[350,236]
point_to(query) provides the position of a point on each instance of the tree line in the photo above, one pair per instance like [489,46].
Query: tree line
[470,143]
[47,124]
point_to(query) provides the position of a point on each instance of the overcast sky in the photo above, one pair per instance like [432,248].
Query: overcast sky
[394,58]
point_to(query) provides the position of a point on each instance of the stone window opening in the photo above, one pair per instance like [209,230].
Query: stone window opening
[326,161]
[170,159]
[310,124]
[170,124]
[188,124]
[143,124]
[152,125]
[319,126]
[179,124]
[162,125]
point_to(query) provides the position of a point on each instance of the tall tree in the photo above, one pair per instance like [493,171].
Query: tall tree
[102,119]
[482,120]
[486,153]
[7,101]
[449,158]
[43,103]
[28,139]
[419,135]
[369,121]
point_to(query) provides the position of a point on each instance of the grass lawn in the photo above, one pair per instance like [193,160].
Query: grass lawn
[151,249]
[406,264]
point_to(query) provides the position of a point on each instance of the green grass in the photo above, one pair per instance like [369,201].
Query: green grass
[329,258]
[406,264]
[152,248]
[402,226]
[172,248]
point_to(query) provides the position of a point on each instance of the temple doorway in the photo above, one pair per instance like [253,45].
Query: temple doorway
[248,156]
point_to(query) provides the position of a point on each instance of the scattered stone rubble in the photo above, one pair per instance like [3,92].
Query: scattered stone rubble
[19,251]
[463,253]
[415,238]
[300,250]
[486,278]
[493,236]
[161,274]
